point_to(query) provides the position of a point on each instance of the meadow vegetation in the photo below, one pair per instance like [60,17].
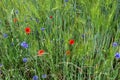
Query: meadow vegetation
[59,39]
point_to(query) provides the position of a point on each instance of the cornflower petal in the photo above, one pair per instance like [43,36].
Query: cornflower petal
[44,76]
[117,55]
[24,44]
[114,44]
[42,29]
[35,77]
[1,65]
[25,60]
[16,11]
[5,35]
[66,0]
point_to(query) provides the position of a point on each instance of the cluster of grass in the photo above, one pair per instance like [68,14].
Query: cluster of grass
[93,24]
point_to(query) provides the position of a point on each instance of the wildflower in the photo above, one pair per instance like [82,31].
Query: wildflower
[83,35]
[114,44]
[27,30]
[42,29]
[117,55]
[1,65]
[71,42]
[51,17]
[24,44]
[66,0]
[15,20]
[16,11]
[35,77]
[44,76]
[40,52]
[25,60]
[5,35]
[68,52]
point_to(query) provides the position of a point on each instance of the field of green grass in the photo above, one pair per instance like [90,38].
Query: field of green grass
[59,39]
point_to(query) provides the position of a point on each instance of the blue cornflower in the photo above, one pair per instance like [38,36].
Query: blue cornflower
[1,65]
[83,35]
[117,55]
[5,35]
[16,11]
[66,0]
[24,44]
[44,76]
[42,29]
[35,77]
[25,60]
[115,44]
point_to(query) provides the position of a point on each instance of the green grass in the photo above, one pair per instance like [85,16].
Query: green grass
[92,57]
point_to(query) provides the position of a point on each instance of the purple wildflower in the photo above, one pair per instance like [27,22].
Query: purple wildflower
[44,76]
[5,35]
[66,0]
[115,44]
[83,35]
[117,55]
[24,44]
[1,65]
[16,11]
[25,60]
[42,29]
[35,77]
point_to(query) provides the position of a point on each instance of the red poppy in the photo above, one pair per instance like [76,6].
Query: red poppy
[71,42]
[27,30]
[68,52]
[40,52]
[51,17]
[15,20]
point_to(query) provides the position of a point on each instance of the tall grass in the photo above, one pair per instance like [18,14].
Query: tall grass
[93,24]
